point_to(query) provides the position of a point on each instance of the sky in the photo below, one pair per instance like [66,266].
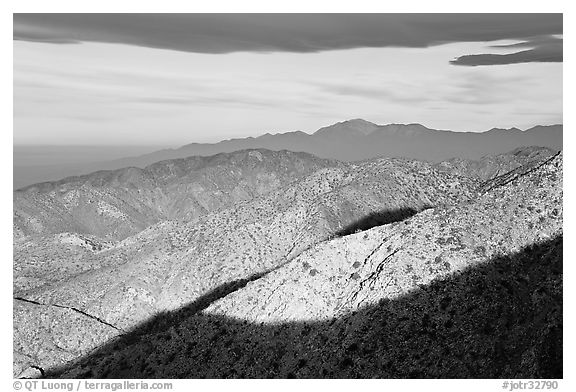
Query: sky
[161,79]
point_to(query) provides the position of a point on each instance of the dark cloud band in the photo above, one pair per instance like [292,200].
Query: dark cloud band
[542,50]
[226,33]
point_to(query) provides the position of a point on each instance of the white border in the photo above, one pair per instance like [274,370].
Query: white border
[291,6]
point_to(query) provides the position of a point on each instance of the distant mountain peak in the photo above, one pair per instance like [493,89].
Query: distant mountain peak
[357,121]
[354,127]
[513,129]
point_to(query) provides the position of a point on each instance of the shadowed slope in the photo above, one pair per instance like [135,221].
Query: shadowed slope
[500,319]
[379,218]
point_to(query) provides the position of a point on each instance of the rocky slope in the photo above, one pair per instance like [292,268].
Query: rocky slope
[174,263]
[116,204]
[468,290]
[491,166]
[52,258]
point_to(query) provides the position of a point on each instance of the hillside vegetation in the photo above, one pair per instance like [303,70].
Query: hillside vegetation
[317,248]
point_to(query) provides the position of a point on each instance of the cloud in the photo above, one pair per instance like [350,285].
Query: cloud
[485,89]
[398,93]
[542,50]
[301,33]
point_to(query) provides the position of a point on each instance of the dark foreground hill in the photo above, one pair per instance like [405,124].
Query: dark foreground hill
[499,319]
[286,284]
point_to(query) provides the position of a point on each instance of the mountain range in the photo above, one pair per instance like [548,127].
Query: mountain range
[350,140]
[358,139]
[472,290]
[116,204]
[261,263]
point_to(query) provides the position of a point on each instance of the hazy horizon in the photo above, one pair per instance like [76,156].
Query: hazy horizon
[309,132]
